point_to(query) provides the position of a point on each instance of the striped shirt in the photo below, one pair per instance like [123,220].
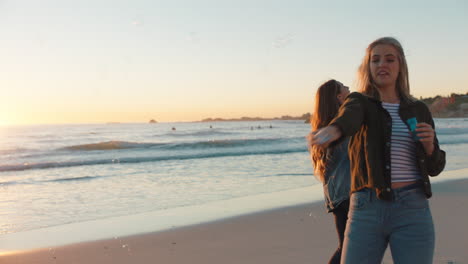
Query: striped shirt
[403,148]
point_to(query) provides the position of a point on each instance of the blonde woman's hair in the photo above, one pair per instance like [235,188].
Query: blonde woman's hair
[367,85]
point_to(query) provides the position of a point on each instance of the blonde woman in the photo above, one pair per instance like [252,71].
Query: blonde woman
[393,149]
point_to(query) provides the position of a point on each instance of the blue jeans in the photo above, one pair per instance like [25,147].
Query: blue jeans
[405,223]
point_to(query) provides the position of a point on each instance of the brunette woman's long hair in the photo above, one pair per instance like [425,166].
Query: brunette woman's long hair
[326,108]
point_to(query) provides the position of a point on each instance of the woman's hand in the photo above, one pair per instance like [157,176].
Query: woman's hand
[324,136]
[426,135]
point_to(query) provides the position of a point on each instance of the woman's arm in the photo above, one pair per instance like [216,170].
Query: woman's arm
[347,122]
[435,157]
[351,114]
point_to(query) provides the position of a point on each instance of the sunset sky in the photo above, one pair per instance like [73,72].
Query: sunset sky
[64,61]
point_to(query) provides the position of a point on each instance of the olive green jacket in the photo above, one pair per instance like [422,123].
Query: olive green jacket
[370,127]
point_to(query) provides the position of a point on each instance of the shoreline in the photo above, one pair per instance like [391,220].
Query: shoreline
[157,221]
[303,227]
[295,234]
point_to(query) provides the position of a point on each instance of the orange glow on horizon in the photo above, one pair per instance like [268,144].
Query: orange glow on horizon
[179,115]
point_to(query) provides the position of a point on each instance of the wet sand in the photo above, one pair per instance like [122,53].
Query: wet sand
[297,234]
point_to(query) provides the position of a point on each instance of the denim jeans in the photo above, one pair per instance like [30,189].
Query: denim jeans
[405,223]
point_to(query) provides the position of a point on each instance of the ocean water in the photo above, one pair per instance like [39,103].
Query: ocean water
[62,174]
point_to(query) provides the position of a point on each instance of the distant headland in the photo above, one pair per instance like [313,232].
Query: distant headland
[455,105]
[286,117]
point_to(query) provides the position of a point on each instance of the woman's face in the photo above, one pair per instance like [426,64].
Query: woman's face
[384,65]
[344,92]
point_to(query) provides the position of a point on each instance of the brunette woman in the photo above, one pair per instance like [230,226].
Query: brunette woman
[331,165]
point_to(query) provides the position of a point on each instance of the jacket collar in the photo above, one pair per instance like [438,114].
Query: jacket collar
[404,102]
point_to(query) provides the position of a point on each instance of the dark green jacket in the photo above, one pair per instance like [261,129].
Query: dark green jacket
[370,127]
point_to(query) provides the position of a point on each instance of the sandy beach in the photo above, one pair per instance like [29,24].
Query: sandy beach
[297,234]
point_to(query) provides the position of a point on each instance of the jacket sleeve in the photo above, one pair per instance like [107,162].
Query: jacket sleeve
[436,162]
[351,114]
